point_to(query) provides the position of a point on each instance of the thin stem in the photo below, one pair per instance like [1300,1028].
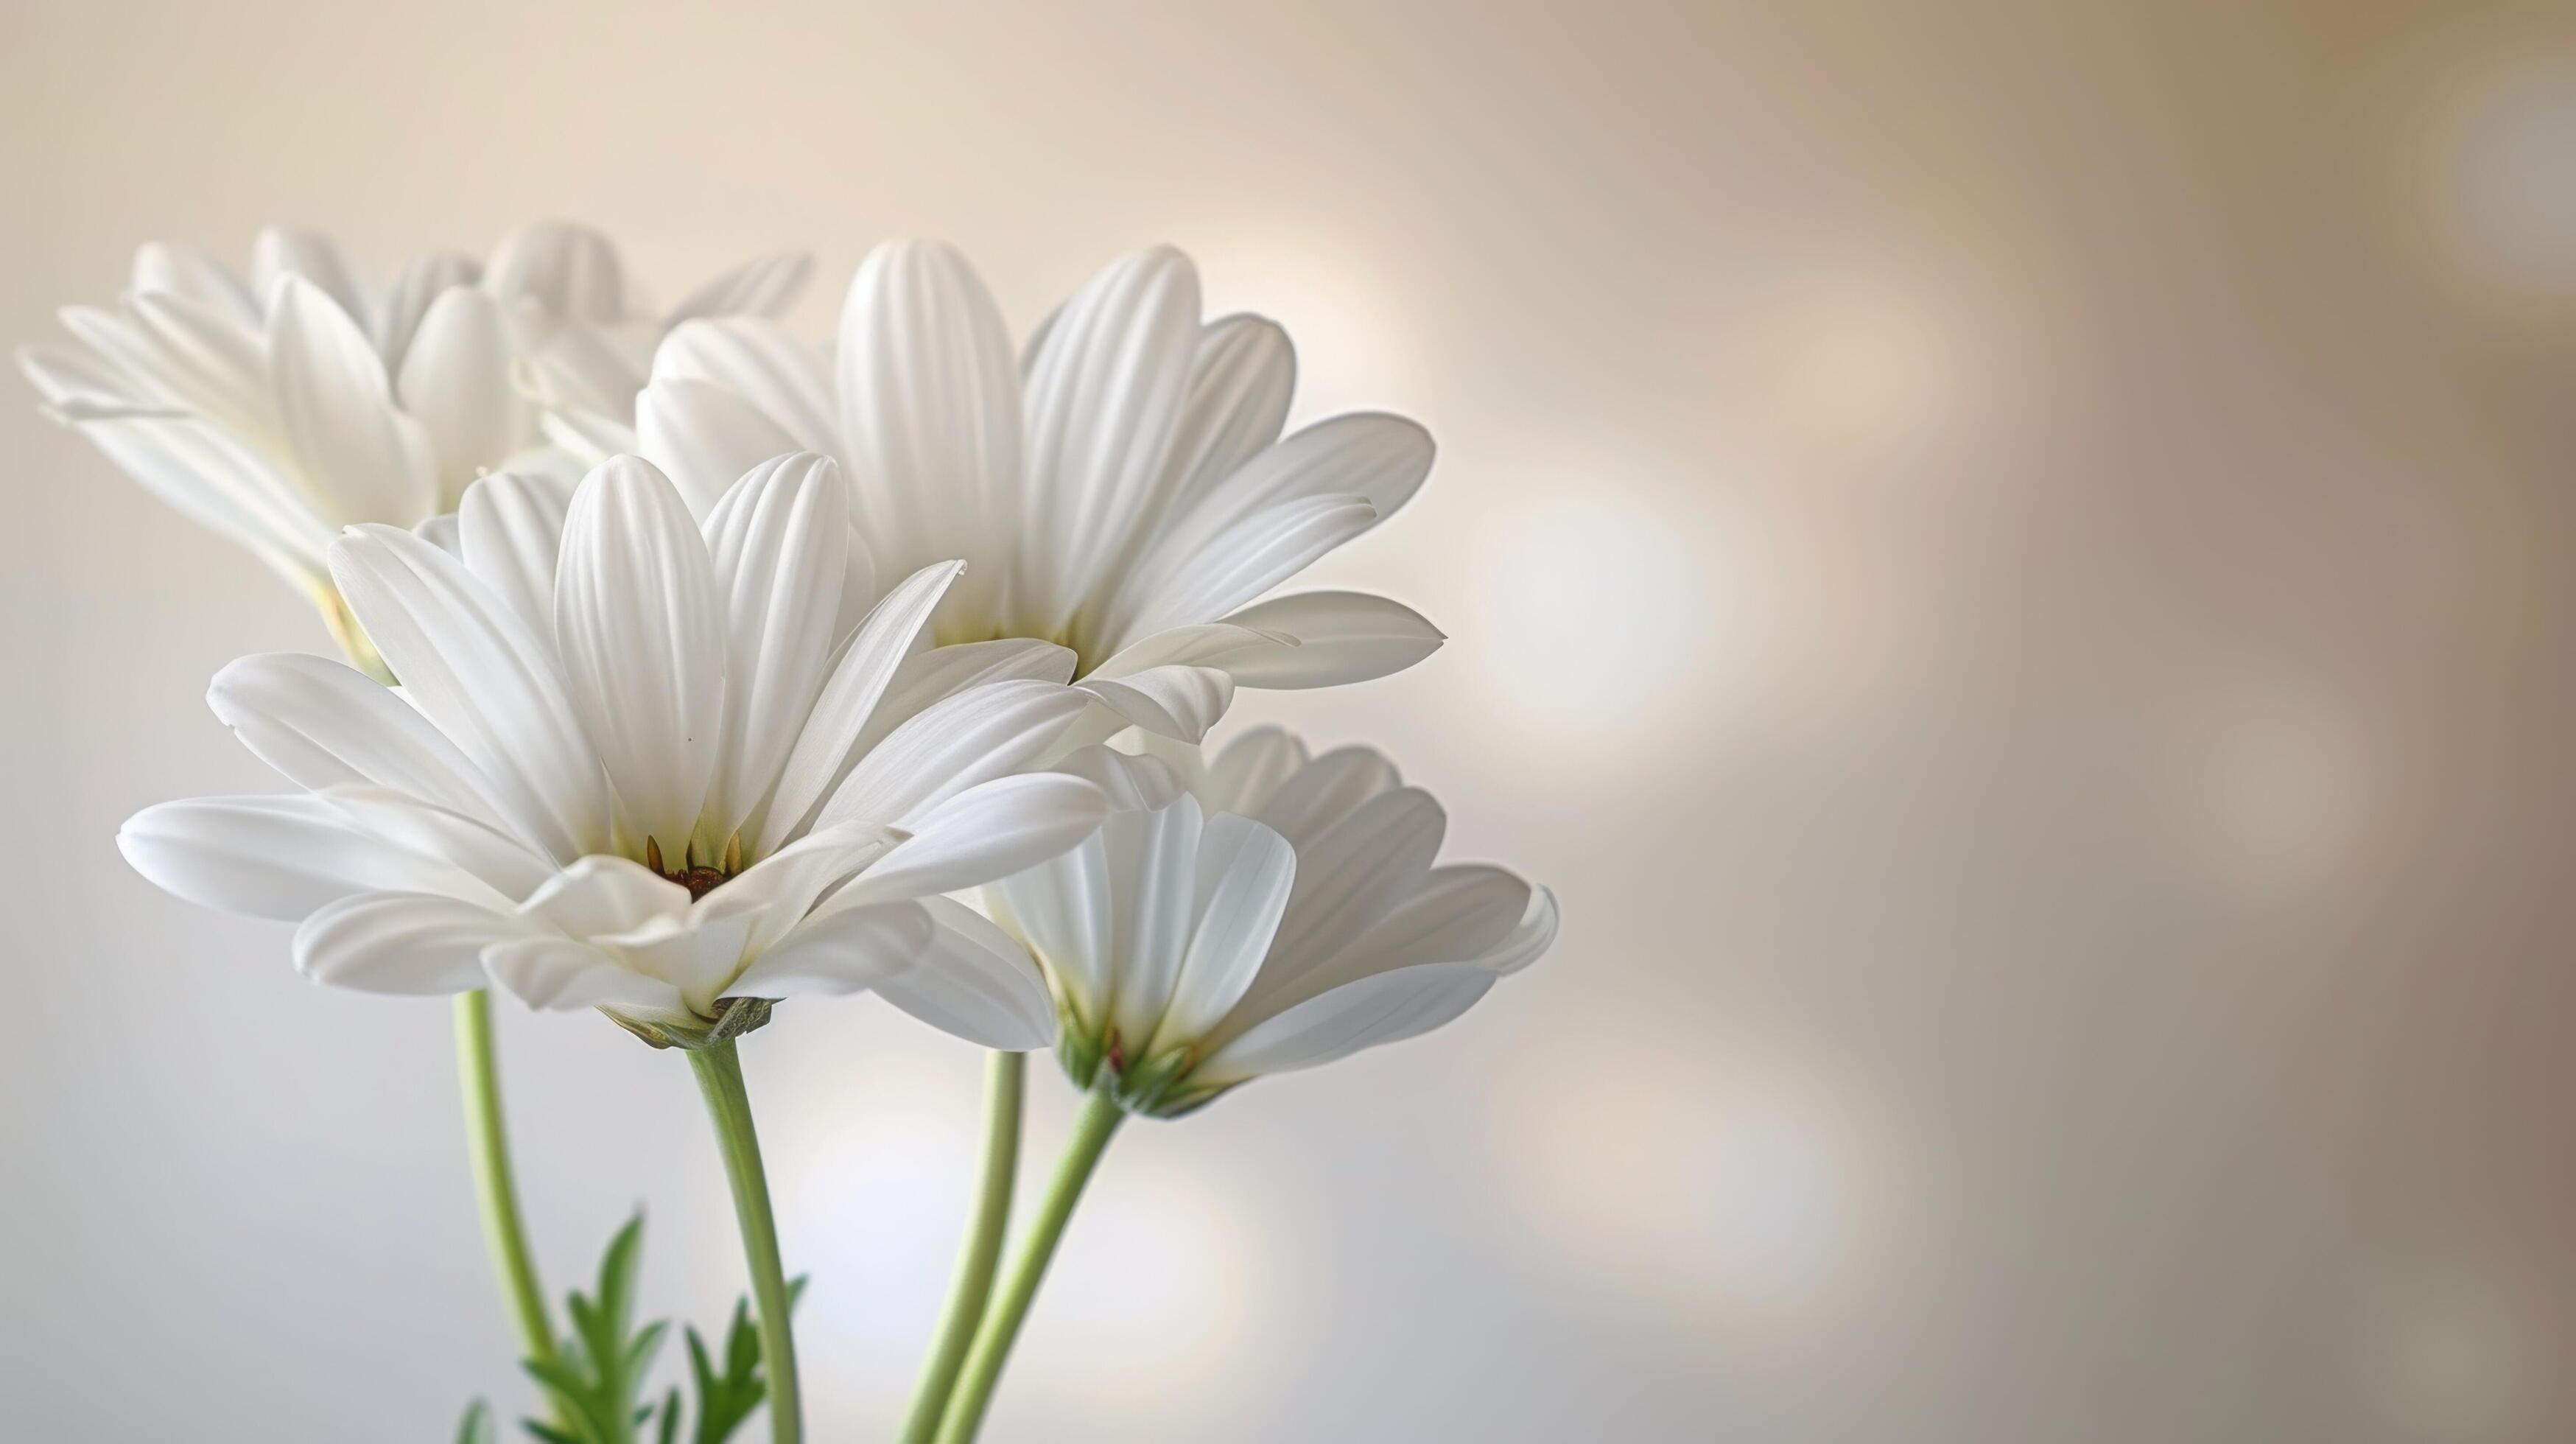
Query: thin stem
[1004,1085]
[719,1070]
[494,1189]
[1091,1134]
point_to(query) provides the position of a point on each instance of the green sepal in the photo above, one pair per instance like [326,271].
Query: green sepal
[733,1018]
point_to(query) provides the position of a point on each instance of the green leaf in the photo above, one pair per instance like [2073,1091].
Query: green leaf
[477,1426]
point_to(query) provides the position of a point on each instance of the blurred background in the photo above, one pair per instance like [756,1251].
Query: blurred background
[2014,565]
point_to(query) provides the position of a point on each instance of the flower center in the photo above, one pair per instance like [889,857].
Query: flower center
[699,880]
[697,877]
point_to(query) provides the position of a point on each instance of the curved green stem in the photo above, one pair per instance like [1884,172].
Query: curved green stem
[1004,1085]
[494,1189]
[719,1070]
[1001,1326]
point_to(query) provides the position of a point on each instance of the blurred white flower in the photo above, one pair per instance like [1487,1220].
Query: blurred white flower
[650,776]
[1251,914]
[279,409]
[1128,500]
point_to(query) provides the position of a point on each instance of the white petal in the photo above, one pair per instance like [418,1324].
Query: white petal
[943,672]
[1352,876]
[778,891]
[1240,385]
[483,678]
[323,723]
[953,745]
[1326,790]
[759,361]
[1459,914]
[704,437]
[273,857]
[312,257]
[1177,702]
[588,382]
[1153,890]
[169,268]
[392,942]
[930,408]
[1064,909]
[510,528]
[558,973]
[442,532]
[845,951]
[216,482]
[456,382]
[569,270]
[780,542]
[765,287]
[827,749]
[603,895]
[1104,397]
[1202,644]
[446,835]
[1341,637]
[207,359]
[77,385]
[1245,873]
[1244,561]
[984,834]
[423,281]
[1254,766]
[641,630]
[1371,454]
[1531,939]
[976,982]
[1381,1008]
[361,459]
[1130,783]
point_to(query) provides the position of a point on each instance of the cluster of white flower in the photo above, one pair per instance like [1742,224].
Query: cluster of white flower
[694,666]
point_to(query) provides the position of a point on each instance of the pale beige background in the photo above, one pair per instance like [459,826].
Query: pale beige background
[2012,564]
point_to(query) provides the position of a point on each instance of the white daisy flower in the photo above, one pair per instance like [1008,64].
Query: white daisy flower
[279,409]
[1251,914]
[652,777]
[1125,503]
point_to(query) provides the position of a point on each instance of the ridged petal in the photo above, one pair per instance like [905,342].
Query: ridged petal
[482,677]
[953,745]
[1341,637]
[391,942]
[845,951]
[780,374]
[780,542]
[456,382]
[976,982]
[930,411]
[827,747]
[641,628]
[704,437]
[357,457]
[510,531]
[983,834]
[275,857]
[323,723]
[1105,392]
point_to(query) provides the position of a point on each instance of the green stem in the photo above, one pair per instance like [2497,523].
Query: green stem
[719,1070]
[1091,1134]
[1004,1086]
[489,1147]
